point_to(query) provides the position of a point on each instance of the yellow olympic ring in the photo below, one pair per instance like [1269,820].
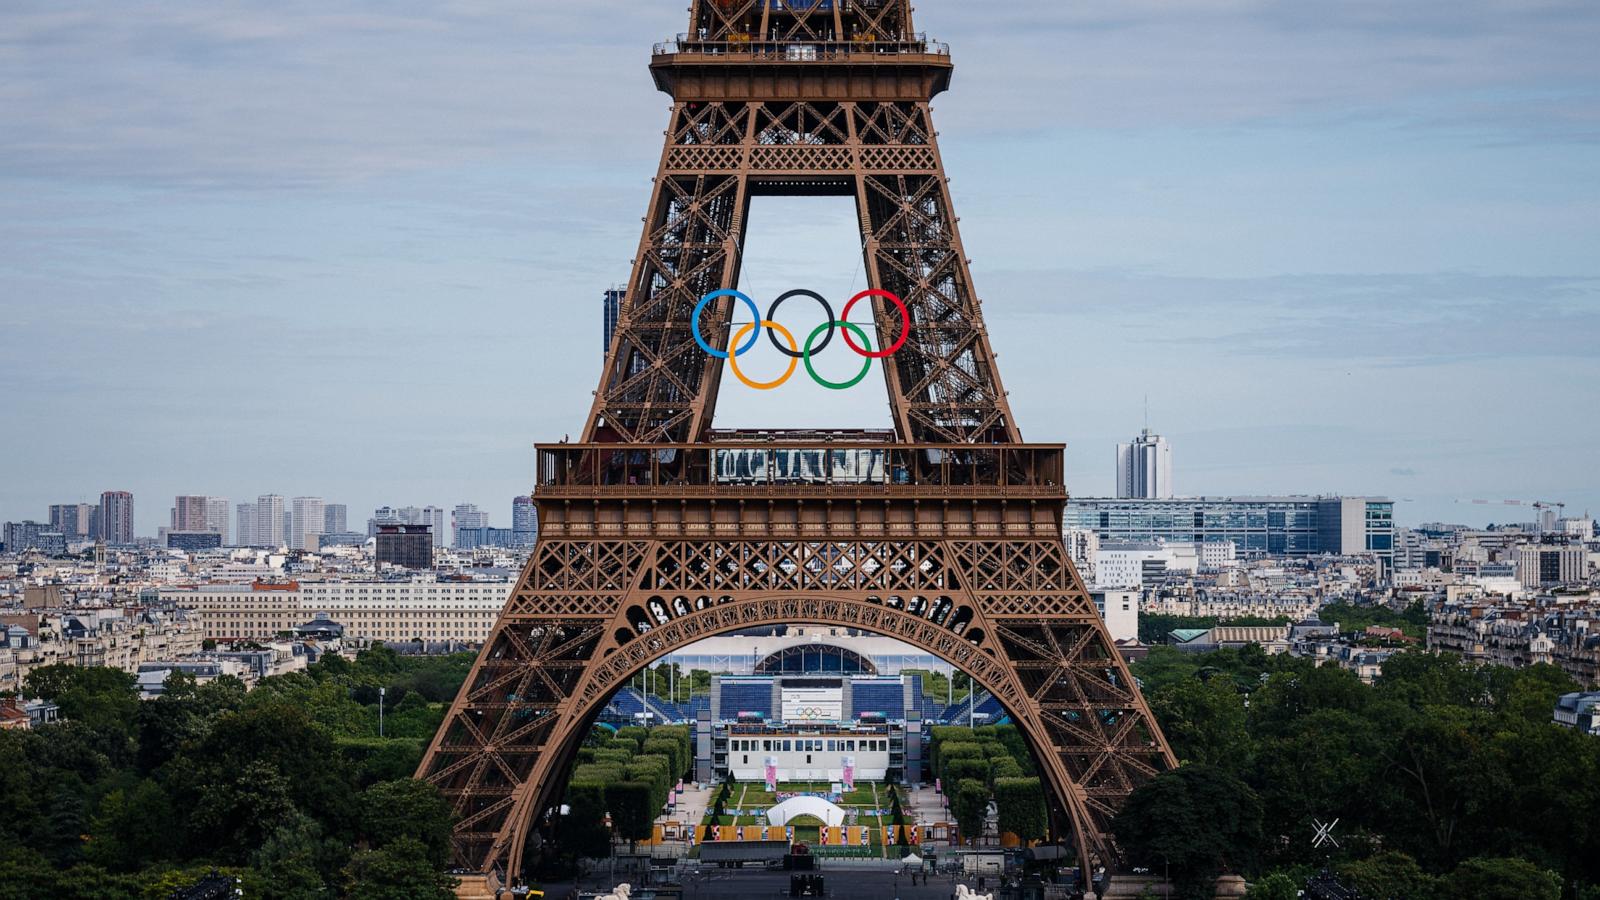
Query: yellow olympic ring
[733,360]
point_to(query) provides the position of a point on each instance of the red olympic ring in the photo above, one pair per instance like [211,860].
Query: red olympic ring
[905,323]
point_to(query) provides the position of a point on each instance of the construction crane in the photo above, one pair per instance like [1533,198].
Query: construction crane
[1561,508]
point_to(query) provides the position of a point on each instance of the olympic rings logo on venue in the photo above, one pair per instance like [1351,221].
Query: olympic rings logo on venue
[796,352]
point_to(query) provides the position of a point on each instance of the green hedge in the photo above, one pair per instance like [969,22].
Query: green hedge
[1020,804]
[957,769]
[673,750]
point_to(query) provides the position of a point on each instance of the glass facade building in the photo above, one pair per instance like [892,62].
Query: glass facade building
[1257,526]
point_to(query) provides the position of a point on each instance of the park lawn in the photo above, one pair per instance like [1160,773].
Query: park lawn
[861,796]
[733,820]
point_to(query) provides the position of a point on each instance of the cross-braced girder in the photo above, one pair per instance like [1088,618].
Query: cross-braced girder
[661,386]
[589,614]
[645,548]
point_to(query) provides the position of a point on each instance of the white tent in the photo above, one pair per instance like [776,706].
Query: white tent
[805,806]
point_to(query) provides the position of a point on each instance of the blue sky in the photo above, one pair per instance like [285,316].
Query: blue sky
[356,250]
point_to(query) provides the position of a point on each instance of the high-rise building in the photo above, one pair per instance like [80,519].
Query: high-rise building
[383,515]
[217,517]
[270,530]
[524,521]
[116,517]
[193,540]
[1144,468]
[1545,565]
[334,516]
[306,522]
[73,520]
[407,546]
[611,308]
[247,525]
[473,538]
[467,516]
[20,536]
[189,512]
[433,517]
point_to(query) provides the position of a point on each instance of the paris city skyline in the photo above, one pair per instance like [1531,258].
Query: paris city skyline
[1357,258]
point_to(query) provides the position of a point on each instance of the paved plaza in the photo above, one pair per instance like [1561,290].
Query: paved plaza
[842,883]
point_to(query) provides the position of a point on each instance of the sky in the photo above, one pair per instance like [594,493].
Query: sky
[356,250]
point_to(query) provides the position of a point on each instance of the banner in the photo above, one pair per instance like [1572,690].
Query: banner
[849,773]
[772,773]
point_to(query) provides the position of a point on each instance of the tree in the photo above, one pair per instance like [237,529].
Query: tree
[1019,803]
[1502,878]
[298,862]
[1430,679]
[1204,721]
[1277,886]
[583,829]
[1195,822]
[1390,875]
[970,804]
[632,812]
[99,697]
[130,830]
[237,811]
[400,871]
[958,770]
[672,749]
[1528,694]
[391,810]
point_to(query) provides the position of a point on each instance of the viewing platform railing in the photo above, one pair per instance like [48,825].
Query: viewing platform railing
[787,468]
[800,51]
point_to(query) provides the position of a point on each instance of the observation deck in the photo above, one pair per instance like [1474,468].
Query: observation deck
[689,68]
[741,468]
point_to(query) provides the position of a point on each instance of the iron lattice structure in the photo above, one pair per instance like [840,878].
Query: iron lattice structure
[946,534]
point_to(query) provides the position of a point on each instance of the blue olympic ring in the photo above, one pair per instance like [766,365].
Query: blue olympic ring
[700,307]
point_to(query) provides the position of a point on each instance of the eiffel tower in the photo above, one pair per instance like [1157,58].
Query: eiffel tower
[944,533]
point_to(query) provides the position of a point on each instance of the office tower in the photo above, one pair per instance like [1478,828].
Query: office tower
[116,517]
[270,530]
[307,521]
[20,536]
[408,546]
[73,520]
[383,515]
[611,308]
[1257,526]
[189,512]
[468,516]
[334,516]
[247,524]
[524,521]
[1144,468]
[192,541]
[433,517]
[217,517]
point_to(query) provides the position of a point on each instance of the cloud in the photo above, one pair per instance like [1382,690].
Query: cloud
[196,93]
[1114,63]
[288,94]
[1387,319]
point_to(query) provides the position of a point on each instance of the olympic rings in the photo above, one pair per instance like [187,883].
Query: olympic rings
[772,313]
[738,346]
[733,360]
[694,322]
[905,324]
[866,364]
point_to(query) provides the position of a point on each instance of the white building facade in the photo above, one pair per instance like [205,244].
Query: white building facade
[1144,468]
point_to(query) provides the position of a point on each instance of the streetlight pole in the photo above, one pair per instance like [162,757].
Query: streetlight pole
[381,692]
